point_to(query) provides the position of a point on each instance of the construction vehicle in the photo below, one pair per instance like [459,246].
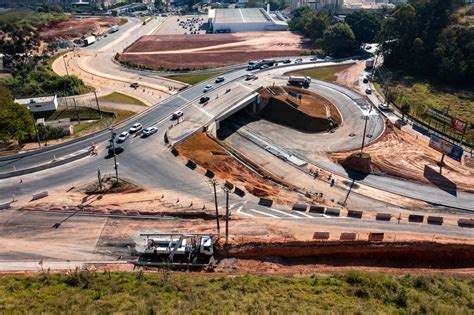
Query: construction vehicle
[89,40]
[175,250]
[299,80]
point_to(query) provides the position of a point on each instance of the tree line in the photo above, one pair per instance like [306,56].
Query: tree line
[427,37]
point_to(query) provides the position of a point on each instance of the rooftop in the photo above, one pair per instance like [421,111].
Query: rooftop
[248,15]
[32,100]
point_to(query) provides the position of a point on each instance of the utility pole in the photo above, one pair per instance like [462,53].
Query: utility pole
[99,178]
[65,65]
[217,208]
[36,127]
[112,142]
[363,137]
[226,215]
[98,107]
[77,113]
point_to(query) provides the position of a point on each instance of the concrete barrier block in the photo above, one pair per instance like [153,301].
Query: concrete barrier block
[174,151]
[239,192]
[376,237]
[382,216]
[321,235]
[348,236]
[468,223]
[355,214]
[265,202]
[435,220]
[416,218]
[40,195]
[299,207]
[5,205]
[209,174]
[191,165]
[335,212]
[316,209]
[228,185]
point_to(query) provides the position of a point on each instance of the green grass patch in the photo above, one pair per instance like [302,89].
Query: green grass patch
[117,97]
[27,16]
[139,293]
[421,94]
[194,78]
[110,116]
[322,73]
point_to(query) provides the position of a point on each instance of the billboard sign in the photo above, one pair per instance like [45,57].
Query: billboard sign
[440,116]
[459,125]
[439,144]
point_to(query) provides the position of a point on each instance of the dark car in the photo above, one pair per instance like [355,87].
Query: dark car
[204,99]
[365,80]
[287,61]
[118,149]
[134,85]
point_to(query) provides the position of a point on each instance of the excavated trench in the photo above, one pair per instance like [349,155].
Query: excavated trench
[358,253]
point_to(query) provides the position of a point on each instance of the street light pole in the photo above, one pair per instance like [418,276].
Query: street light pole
[363,136]
[65,65]
[112,141]
[36,128]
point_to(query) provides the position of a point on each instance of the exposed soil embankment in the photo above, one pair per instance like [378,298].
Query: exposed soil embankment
[401,154]
[359,253]
[311,113]
[183,52]
[76,28]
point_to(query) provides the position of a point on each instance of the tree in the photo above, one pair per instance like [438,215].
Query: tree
[49,133]
[339,40]
[16,122]
[365,26]
[405,110]
[315,26]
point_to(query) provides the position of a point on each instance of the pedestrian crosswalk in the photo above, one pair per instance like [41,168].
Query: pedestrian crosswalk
[255,211]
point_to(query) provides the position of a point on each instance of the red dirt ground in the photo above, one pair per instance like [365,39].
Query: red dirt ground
[211,50]
[75,28]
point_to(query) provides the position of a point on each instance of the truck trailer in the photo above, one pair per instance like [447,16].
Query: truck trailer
[89,40]
[299,80]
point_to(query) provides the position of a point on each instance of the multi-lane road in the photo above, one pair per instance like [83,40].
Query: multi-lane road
[148,160]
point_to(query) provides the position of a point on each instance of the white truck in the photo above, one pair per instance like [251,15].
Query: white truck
[369,63]
[299,80]
[89,40]
[114,29]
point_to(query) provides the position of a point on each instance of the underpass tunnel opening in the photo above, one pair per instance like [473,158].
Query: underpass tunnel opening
[288,106]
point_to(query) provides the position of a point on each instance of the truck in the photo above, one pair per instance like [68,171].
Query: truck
[174,249]
[114,29]
[299,80]
[89,40]
[369,63]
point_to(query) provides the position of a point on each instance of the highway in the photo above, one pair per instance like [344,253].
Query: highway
[148,161]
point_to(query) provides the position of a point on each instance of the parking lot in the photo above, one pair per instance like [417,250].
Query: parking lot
[188,24]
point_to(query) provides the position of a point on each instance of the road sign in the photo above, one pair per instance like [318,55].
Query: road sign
[459,125]
[453,151]
[440,116]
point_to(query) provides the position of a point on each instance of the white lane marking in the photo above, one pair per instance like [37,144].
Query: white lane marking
[285,213]
[182,97]
[248,88]
[241,14]
[305,214]
[233,205]
[243,213]
[264,213]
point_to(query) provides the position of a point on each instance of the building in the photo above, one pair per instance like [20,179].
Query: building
[316,4]
[40,105]
[244,20]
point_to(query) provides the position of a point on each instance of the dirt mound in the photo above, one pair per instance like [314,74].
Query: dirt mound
[359,253]
[211,156]
[402,154]
[75,28]
[360,162]
[311,113]
[180,52]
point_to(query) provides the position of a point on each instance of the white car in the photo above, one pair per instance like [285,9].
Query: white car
[122,137]
[177,114]
[299,60]
[249,76]
[207,88]
[220,79]
[383,106]
[149,131]
[136,127]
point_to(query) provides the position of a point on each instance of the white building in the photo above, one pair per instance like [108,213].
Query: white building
[244,20]
[40,104]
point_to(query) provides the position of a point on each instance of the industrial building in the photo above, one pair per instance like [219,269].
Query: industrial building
[245,20]
[39,104]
